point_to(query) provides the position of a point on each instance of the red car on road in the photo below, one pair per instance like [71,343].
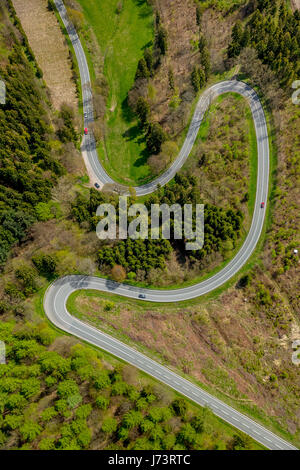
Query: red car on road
[262,205]
[86,131]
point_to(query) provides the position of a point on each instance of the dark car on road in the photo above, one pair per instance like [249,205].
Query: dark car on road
[142,296]
[97,185]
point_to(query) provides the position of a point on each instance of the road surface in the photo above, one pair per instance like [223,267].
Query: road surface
[57,294]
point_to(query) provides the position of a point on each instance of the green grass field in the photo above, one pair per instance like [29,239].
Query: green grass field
[122,38]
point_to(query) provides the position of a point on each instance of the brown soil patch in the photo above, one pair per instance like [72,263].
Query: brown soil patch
[51,52]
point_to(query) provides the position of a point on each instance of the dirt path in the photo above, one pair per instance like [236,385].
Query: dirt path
[51,52]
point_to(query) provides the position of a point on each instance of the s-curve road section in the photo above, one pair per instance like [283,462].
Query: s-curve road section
[55,300]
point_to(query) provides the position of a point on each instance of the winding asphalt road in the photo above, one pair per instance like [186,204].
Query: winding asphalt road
[57,294]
